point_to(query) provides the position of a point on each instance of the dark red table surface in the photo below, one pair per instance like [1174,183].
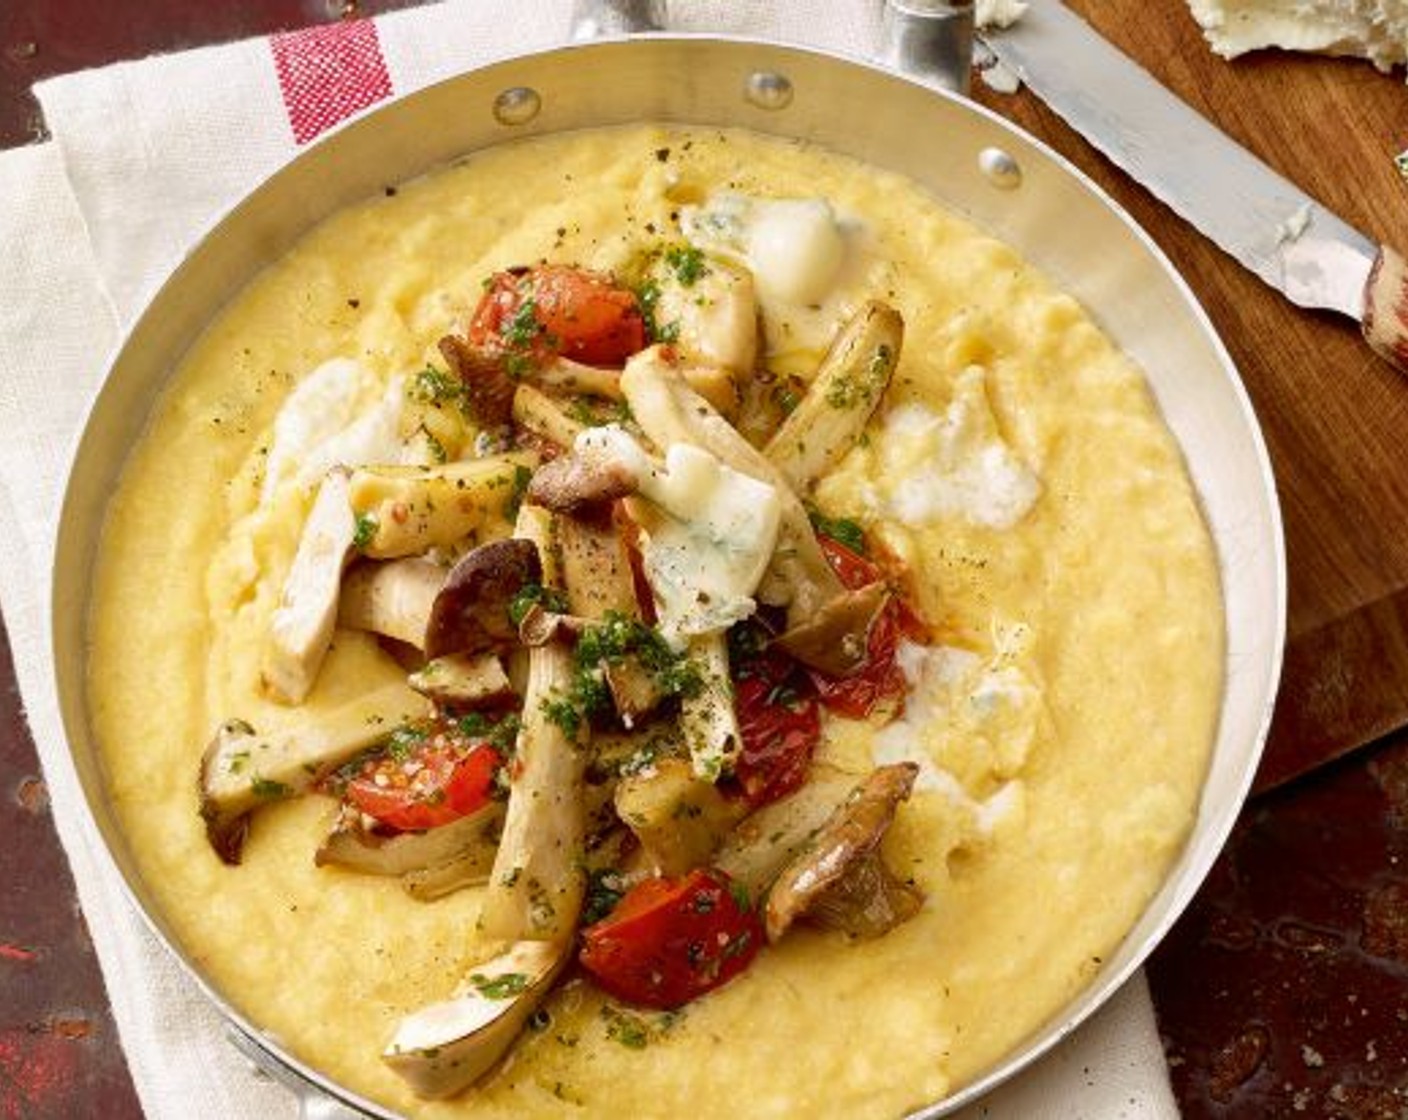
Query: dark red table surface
[1283,991]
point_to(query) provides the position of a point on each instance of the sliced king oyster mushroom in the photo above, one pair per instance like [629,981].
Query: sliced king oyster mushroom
[242,770]
[301,629]
[443,1048]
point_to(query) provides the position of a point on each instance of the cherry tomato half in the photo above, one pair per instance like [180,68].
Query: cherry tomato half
[880,684]
[554,309]
[851,568]
[670,940]
[435,784]
[779,723]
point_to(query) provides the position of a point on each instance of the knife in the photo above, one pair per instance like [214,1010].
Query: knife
[1248,210]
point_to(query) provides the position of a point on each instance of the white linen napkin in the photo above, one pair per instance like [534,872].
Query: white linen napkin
[145,156]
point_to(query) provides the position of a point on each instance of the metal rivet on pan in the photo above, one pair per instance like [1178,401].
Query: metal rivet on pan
[768,89]
[1001,170]
[517,105]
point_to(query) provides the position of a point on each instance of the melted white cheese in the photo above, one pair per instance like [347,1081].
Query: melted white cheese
[956,691]
[812,267]
[706,554]
[954,464]
[324,423]
[1372,29]
[715,316]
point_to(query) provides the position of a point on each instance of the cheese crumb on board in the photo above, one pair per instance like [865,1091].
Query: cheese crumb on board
[1373,29]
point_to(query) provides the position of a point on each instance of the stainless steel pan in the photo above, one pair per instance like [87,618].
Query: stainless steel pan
[972,160]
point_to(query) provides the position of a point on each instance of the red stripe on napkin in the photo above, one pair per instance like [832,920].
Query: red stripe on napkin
[328,73]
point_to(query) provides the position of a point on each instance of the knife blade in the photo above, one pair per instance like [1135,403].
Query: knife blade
[1259,217]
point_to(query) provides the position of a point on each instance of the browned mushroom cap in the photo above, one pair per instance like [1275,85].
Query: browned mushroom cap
[836,638]
[573,484]
[471,612]
[840,880]
[488,388]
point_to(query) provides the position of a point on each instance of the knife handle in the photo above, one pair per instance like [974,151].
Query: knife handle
[1385,319]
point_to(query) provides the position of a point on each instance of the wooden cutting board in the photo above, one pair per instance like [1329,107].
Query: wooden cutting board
[1334,416]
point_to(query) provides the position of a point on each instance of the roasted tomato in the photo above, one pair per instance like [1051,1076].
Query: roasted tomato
[540,312]
[851,568]
[424,779]
[670,940]
[778,720]
[879,686]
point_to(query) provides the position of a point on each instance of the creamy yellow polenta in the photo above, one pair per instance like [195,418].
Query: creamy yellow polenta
[1065,719]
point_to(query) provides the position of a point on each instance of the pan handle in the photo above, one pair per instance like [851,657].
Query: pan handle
[931,40]
[313,1102]
[592,19]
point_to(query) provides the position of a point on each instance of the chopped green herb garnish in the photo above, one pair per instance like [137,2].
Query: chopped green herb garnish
[687,263]
[475,724]
[610,642]
[505,986]
[267,787]
[403,741]
[517,366]
[499,733]
[630,1031]
[561,711]
[520,331]
[617,637]
[522,476]
[365,532]
[627,1029]
[434,446]
[437,387]
[863,387]
[532,594]
[843,530]
[648,296]
[605,888]
[595,412]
